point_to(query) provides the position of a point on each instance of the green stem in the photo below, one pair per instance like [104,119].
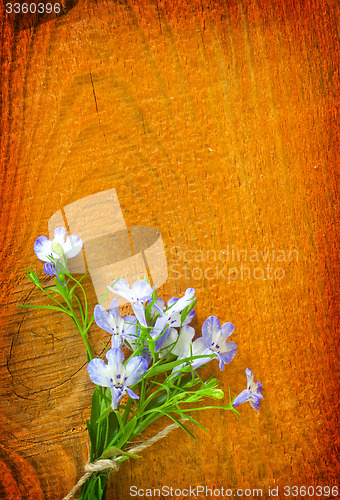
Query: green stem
[85,298]
[81,330]
[127,411]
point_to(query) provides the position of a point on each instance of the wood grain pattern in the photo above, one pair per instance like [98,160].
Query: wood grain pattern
[217,123]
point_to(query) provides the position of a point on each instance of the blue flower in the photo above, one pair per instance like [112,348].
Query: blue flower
[251,394]
[117,376]
[59,249]
[137,295]
[214,338]
[112,322]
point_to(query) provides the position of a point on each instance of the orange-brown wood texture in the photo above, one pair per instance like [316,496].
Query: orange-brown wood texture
[216,122]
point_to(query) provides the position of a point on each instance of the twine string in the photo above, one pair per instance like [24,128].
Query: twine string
[111,465]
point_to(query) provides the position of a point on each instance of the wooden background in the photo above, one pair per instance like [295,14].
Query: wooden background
[217,123]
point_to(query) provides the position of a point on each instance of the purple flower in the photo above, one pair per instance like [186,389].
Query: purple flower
[137,295]
[117,376]
[251,394]
[112,322]
[59,249]
[215,338]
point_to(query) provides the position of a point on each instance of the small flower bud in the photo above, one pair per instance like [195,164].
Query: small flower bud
[217,394]
[32,275]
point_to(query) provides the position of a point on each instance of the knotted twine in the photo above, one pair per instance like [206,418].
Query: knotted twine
[112,465]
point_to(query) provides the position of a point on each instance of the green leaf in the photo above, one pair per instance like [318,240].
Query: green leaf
[113,451]
[92,427]
[105,346]
[161,368]
[53,288]
[95,409]
[148,308]
[154,401]
[54,308]
[126,432]
[178,422]
[61,289]
[112,429]
[104,413]
[91,434]
[106,396]
[191,419]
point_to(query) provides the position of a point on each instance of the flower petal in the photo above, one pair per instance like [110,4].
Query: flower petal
[255,403]
[103,319]
[254,387]
[199,348]
[158,307]
[72,246]
[131,393]
[139,310]
[48,268]
[227,353]
[243,397]
[255,400]
[134,369]
[159,327]
[43,248]
[100,373]
[211,330]
[160,303]
[131,331]
[182,347]
[122,288]
[162,339]
[115,358]
[250,378]
[114,309]
[116,341]
[59,235]
[168,343]
[172,301]
[189,318]
[117,393]
[226,330]
[142,290]
[183,302]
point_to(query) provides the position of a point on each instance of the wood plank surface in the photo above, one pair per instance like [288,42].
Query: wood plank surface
[216,122]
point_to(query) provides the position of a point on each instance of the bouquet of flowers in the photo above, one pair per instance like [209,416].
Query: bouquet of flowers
[151,366]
